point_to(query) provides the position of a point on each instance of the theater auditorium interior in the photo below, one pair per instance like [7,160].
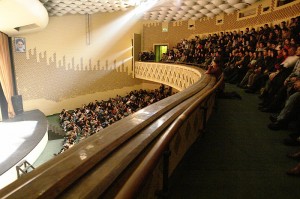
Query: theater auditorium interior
[150,99]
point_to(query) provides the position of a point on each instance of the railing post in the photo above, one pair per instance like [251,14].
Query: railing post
[165,184]
[27,167]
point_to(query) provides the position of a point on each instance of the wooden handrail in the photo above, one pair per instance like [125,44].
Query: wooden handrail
[134,182]
[103,176]
[63,172]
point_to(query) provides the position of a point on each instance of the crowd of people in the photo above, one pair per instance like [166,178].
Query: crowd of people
[264,61]
[83,122]
[146,56]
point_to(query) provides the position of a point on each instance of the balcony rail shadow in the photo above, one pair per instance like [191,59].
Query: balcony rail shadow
[134,157]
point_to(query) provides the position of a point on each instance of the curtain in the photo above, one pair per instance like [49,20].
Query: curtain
[6,73]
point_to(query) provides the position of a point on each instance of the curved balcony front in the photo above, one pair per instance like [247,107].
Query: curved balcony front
[128,159]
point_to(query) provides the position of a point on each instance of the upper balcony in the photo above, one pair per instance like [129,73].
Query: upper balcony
[135,156]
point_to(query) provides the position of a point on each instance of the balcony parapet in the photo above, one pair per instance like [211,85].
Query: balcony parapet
[177,76]
[102,165]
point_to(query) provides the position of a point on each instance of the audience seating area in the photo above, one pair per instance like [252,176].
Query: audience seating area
[263,62]
[92,118]
[267,63]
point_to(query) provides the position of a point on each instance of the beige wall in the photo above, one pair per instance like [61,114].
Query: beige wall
[152,32]
[61,70]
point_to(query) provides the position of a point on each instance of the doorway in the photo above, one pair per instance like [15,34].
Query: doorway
[159,49]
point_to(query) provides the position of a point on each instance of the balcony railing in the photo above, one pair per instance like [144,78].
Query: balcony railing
[134,157]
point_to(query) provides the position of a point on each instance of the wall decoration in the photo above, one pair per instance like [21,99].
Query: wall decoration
[20,44]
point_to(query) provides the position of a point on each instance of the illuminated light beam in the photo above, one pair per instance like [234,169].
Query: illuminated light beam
[111,33]
[117,64]
[119,54]
[127,59]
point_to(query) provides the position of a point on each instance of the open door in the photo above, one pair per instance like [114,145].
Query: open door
[159,50]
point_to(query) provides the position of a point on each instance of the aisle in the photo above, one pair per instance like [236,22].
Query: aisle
[238,157]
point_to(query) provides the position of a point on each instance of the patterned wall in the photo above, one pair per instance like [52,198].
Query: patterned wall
[58,80]
[76,60]
[174,75]
[179,30]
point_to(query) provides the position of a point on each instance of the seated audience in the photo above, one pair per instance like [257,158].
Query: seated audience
[261,61]
[290,111]
[146,56]
[264,61]
[94,117]
[275,91]
[292,86]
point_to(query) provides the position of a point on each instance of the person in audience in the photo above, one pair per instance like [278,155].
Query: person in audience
[290,110]
[292,87]
[250,69]
[258,69]
[164,57]
[252,41]
[294,28]
[278,33]
[170,56]
[267,30]
[295,171]
[230,66]
[274,93]
[260,47]
[283,25]
[207,61]
[260,82]
[286,44]
[241,68]
[214,69]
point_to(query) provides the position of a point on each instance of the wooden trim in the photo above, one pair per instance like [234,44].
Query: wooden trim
[132,185]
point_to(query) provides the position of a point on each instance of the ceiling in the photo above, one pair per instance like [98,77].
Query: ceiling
[164,10]
[20,17]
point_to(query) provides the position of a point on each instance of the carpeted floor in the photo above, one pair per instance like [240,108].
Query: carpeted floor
[238,157]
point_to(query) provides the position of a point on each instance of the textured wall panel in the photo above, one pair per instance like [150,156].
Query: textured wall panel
[56,82]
